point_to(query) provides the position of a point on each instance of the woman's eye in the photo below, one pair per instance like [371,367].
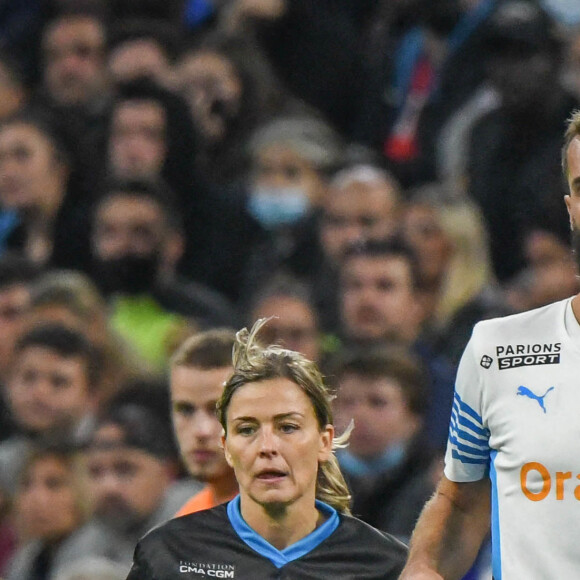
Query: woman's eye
[245,430]
[288,428]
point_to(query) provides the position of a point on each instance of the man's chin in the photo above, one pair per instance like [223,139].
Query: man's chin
[368,334]
[204,474]
[122,520]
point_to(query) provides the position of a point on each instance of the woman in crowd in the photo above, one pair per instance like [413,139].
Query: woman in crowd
[457,283]
[49,506]
[291,519]
[230,90]
[43,198]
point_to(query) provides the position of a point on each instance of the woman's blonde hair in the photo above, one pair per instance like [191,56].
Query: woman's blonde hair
[252,363]
[469,269]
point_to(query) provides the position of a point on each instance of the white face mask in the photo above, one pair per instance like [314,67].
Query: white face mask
[278,206]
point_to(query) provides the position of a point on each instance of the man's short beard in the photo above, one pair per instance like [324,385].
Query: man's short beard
[119,516]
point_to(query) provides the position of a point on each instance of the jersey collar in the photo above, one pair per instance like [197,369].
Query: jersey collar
[282,557]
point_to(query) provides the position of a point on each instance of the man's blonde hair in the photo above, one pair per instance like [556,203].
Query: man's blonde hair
[572,131]
[206,350]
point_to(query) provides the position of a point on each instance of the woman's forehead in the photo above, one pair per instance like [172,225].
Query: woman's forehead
[270,397]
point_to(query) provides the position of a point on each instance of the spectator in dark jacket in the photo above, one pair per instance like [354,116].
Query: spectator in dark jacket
[387,463]
[514,154]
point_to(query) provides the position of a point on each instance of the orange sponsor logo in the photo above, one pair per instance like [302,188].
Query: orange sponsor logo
[551,484]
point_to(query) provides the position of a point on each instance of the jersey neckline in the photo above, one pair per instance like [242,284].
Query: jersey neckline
[300,548]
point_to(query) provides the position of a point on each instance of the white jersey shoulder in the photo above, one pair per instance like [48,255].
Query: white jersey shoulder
[514,420]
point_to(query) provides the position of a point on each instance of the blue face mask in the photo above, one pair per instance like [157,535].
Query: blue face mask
[566,12]
[278,206]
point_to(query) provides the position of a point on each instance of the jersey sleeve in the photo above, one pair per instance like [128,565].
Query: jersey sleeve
[468,454]
[140,570]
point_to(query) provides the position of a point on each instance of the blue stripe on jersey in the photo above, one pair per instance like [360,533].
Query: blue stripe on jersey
[468,449]
[495,531]
[467,436]
[467,453]
[467,409]
[465,422]
[281,557]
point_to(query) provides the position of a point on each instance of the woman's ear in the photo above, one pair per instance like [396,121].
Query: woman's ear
[226,452]
[326,439]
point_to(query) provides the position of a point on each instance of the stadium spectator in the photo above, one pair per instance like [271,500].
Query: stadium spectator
[51,393]
[72,82]
[16,276]
[457,285]
[293,321]
[379,299]
[379,303]
[73,53]
[130,471]
[517,160]
[387,463]
[433,69]
[291,159]
[70,298]
[50,504]
[136,242]
[141,48]
[150,136]
[549,275]
[362,202]
[312,47]
[452,143]
[291,515]
[42,198]
[198,371]
[230,90]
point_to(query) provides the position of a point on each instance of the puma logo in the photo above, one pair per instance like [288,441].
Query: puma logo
[525,392]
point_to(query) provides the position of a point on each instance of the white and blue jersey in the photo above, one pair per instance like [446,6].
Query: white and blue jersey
[516,420]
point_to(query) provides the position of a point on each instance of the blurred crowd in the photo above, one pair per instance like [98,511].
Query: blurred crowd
[377,175]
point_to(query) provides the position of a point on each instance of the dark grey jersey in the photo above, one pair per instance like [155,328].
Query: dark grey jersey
[208,544]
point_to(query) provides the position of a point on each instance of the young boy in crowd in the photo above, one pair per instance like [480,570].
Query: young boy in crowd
[50,391]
